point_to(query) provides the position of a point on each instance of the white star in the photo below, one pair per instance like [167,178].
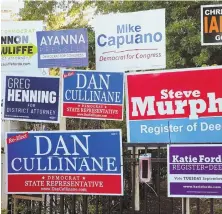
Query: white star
[83,178]
[43,177]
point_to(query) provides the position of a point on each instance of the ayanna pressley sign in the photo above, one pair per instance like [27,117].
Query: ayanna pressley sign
[178,106]
[93,95]
[70,162]
[32,99]
[195,171]
[63,48]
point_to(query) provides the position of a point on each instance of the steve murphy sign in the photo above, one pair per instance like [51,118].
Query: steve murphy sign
[93,95]
[63,48]
[195,171]
[211,24]
[175,106]
[32,99]
[71,162]
[130,41]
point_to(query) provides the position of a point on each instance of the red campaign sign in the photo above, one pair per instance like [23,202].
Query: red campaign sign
[17,138]
[186,93]
[69,74]
[69,184]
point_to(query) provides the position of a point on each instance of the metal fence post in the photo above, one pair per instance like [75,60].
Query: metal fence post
[211,206]
[62,126]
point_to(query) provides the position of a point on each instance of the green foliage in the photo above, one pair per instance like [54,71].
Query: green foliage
[4,211]
[218,211]
[37,10]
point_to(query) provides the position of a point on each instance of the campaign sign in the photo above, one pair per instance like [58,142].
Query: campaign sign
[130,41]
[32,99]
[19,45]
[211,24]
[175,106]
[93,95]
[63,48]
[65,162]
[195,171]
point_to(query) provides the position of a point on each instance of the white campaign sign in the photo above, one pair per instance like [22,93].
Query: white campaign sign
[131,41]
[19,45]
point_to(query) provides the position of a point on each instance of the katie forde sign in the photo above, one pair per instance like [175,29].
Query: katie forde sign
[87,162]
[130,41]
[177,106]
[195,171]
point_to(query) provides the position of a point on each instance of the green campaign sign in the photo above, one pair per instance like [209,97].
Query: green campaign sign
[19,45]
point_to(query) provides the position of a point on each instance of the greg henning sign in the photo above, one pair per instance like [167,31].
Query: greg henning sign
[31,98]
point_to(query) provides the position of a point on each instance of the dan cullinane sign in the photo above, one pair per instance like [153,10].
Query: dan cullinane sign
[162,109]
[93,95]
[130,41]
[71,162]
[195,171]
[32,99]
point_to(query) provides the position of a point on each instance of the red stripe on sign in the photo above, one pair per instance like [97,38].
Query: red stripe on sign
[100,111]
[84,184]
[184,94]
[17,138]
[68,74]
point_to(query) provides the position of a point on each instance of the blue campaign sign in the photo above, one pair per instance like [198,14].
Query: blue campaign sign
[63,48]
[71,160]
[177,131]
[32,99]
[93,94]
[96,152]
